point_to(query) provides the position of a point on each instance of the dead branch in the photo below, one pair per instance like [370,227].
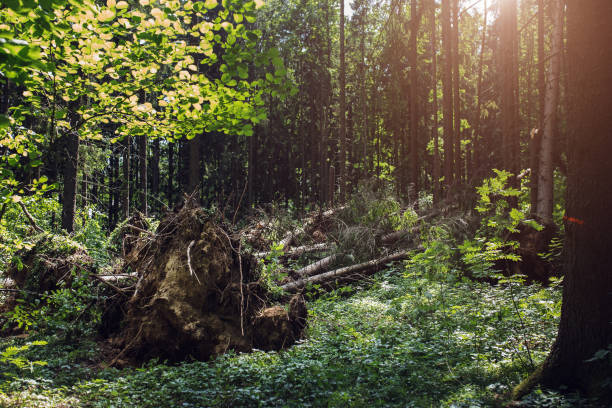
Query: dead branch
[29,217]
[191,271]
[366,268]
[110,285]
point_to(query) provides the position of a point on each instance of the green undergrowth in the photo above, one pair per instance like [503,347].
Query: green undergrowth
[408,339]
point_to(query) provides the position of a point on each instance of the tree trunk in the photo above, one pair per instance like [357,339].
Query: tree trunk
[194,166]
[414,145]
[447,93]
[434,80]
[71,161]
[478,158]
[125,187]
[545,175]
[534,146]
[142,164]
[587,293]
[509,105]
[456,97]
[155,174]
[170,186]
[342,112]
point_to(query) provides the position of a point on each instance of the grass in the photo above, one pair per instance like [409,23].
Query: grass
[406,339]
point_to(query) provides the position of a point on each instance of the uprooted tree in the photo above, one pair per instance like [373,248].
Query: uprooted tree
[197,295]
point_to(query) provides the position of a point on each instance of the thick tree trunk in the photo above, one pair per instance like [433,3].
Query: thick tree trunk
[71,161]
[587,293]
[545,176]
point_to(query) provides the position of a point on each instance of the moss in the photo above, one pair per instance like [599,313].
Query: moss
[528,384]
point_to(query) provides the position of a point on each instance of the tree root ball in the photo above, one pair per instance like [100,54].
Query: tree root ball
[198,297]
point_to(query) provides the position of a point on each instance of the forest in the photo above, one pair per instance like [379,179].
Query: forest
[305,203]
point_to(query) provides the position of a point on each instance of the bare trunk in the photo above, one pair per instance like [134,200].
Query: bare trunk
[142,162]
[342,112]
[434,130]
[125,186]
[414,145]
[545,176]
[447,94]
[71,160]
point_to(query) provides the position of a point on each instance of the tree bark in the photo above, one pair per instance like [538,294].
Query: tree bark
[587,292]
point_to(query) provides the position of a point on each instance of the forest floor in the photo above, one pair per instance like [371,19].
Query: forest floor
[408,337]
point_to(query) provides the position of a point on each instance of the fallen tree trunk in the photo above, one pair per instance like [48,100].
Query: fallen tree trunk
[320,265]
[308,224]
[366,268]
[296,252]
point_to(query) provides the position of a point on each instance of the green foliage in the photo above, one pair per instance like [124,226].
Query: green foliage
[380,210]
[272,270]
[407,340]
[12,360]
[495,195]
[71,311]
[499,219]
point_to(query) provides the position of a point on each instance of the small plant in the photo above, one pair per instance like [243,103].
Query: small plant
[12,359]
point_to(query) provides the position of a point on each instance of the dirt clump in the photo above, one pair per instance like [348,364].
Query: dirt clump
[198,296]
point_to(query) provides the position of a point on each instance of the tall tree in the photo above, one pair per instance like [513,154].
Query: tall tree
[434,80]
[585,328]
[447,92]
[458,168]
[414,103]
[71,161]
[509,79]
[342,110]
[142,169]
[544,210]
